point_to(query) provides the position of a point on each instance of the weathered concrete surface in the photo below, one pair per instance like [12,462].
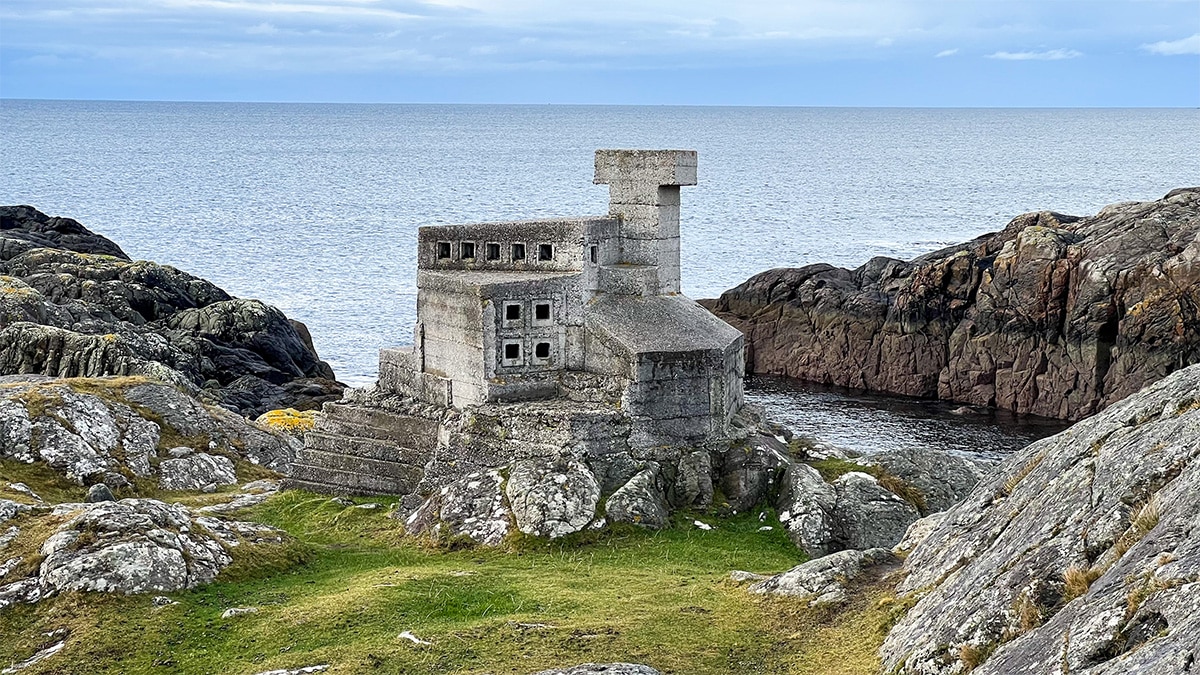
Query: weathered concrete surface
[74,305]
[1003,578]
[1055,315]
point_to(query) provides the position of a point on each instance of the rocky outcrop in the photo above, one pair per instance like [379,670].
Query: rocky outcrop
[943,479]
[130,546]
[1055,315]
[119,430]
[72,304]
[826,580]
[1079,554]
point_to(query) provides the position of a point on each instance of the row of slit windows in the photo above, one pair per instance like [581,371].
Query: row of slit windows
[491,251]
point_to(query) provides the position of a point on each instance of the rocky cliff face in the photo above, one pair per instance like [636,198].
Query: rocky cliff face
[1055,315]
[1079,554]
[72,304]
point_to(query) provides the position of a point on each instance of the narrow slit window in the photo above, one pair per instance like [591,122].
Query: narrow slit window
[467,250]
[545,252]
[518,252]
[443,250]
[542,350]
[592,254]
[512,312]
[512,351]
[493,252]
[541,311]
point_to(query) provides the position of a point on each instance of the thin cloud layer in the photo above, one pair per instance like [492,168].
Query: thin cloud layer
[74,40]
[1187,45]
[1049,55]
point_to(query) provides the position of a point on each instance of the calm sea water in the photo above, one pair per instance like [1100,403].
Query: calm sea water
[314,208]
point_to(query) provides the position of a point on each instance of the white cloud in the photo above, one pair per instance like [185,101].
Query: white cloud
[884,42]
[1187,45]
[946,52]
[263,28]
[1049,55]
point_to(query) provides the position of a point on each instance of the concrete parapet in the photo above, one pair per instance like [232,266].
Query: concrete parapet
[639,280]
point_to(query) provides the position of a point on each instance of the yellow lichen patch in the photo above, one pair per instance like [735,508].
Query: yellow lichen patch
[289,420]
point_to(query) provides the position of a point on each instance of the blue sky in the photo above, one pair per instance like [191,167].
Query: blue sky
[750,52]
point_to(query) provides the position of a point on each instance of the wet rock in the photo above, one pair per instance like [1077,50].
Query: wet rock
[1077,554]
[473,506]
[552,497]
[198,471]
[99,493]
[640,501]
[825,580]
[942,478]
[1055,315]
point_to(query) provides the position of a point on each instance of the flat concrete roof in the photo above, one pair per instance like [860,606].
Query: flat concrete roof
[665,323]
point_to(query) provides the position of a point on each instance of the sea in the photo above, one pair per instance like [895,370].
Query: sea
[314,208]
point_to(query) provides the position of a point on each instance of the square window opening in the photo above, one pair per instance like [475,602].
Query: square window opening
[443,250]
[492,252]
[541,311]
[542,350]
[512,312]
[512,351]
[467,250]
[518,252]
[545,252]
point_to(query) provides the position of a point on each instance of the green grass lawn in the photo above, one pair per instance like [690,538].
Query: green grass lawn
[350,584]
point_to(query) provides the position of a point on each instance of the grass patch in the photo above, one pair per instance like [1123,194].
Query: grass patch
[350,584]
[1077,580]
[44,481]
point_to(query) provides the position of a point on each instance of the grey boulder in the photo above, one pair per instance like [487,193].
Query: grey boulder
[198,471]
[869,515]
[552,497]
[641,501]
[472,506]
[942,478]
[824,580]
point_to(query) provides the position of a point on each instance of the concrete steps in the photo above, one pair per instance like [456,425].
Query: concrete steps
[357,450]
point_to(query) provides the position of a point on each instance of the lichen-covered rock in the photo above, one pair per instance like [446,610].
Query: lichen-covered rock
[942,478]
[918,532]
[824,580]
[552,497]
[1055,315]
[693,487]
[109,430]
[868,515]
[1077,554]
[132,546]
[472,506]
[74,305]
[641,501]
[806,508]
[197,471]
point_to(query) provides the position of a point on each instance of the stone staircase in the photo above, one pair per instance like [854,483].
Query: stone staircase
[362,450]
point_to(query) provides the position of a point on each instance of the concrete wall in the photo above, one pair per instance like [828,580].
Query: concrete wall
[565,237]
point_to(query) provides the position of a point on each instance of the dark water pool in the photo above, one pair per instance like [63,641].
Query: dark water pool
[870,423]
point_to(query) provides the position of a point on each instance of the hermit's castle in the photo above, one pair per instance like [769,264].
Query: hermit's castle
[540,337]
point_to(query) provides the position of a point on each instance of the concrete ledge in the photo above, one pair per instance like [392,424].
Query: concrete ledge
[661,167]
[639,280]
